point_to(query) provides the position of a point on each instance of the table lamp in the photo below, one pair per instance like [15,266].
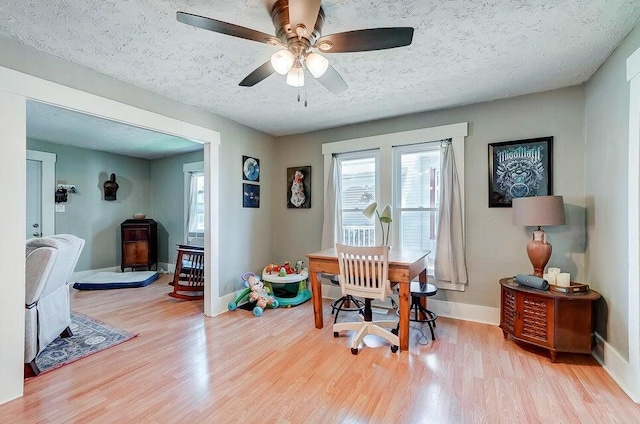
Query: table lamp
[384,218]
[536,212]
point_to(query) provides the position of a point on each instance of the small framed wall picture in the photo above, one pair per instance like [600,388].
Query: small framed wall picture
[250,195]
[520,168]
[299,187]
[250,169]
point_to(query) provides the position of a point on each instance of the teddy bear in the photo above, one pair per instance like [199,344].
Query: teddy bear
[260,294]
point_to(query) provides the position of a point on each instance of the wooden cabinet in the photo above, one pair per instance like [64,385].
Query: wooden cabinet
[139,243]
[558,322]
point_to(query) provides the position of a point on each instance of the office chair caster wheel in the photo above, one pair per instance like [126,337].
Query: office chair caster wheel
[394,348]
[336,334]
[354,350]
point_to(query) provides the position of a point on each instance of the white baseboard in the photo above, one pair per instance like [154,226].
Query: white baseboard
[462,311]
[465,311]
[223,302]
[170,268]
[616,366]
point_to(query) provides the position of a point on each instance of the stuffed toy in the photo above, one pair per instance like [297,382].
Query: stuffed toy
[260,294]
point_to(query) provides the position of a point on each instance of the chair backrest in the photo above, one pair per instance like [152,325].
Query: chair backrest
[364,271]
[50,262]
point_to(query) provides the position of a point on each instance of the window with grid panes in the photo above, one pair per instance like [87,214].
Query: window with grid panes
[358,181]
[196,221]
[416,183]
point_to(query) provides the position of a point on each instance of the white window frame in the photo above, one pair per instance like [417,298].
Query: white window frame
[361,155]
[385,143]
[397,188]
[187,168]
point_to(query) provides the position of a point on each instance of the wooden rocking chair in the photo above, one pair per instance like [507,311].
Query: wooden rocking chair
[188,278]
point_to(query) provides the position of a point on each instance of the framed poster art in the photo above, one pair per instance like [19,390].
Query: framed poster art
[250,169]
[250,195]
[299,187]
[520,168]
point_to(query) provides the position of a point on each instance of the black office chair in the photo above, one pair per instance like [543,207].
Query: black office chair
[345,303]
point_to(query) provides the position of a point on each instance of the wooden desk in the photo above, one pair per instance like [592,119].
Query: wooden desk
[404,266]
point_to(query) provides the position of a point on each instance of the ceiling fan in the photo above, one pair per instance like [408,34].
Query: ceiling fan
[298,25]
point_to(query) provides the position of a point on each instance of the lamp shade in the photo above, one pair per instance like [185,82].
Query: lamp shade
[282,61]
[370,210]
[538,211]
[295,77]
[386,215]
[317,64]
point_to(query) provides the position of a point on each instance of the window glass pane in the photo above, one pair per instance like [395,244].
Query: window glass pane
[196,222]
[420,179]
[358,180]
[417,176]
[200,203]
[418,230]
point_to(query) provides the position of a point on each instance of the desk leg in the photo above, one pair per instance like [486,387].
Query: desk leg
[403,308]
[316,291]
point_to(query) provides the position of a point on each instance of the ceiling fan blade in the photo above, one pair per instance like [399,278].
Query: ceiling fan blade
[332,81]
[262,72]
[366,40]
[304,12]
[226,28]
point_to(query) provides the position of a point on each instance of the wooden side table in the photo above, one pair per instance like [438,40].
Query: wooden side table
[555,321]
[139,243]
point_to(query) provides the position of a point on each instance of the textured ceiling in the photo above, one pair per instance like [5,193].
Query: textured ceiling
[62,126]
[463,52]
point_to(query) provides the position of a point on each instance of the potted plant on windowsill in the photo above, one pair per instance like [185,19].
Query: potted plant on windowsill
[384,218]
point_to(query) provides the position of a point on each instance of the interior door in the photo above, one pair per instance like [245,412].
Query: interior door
[34,199]
[41,186]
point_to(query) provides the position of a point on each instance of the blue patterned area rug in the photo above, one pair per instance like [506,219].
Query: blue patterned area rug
[89,336]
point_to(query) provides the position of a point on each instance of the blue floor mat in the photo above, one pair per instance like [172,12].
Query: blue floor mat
[116,280]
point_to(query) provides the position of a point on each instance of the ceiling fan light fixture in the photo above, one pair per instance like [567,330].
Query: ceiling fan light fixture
[295,77]
[282,61]
[317,64]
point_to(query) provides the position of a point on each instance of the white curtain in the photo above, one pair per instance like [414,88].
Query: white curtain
[332,225]
[450,263]
[193,203]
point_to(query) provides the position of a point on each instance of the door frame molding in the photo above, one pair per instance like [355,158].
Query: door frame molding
[633,78]
[16,88]
[48,184]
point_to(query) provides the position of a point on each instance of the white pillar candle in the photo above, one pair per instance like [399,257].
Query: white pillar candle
[550,278]
[554,271]
[563,279]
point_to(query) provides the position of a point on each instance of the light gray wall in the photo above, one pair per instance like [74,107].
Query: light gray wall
[246,235]
[607,137]
[168,194]
[495,248]
[87,215]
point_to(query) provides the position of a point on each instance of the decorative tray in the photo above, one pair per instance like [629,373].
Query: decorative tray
[574,288]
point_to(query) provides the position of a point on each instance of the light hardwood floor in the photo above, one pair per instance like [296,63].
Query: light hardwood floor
[184,367]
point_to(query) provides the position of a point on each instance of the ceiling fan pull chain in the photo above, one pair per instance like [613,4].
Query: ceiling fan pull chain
[305,96]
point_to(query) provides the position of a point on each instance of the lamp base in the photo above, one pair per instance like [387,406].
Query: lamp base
[539,251]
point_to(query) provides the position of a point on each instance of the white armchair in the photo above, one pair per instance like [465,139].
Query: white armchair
[50,261]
